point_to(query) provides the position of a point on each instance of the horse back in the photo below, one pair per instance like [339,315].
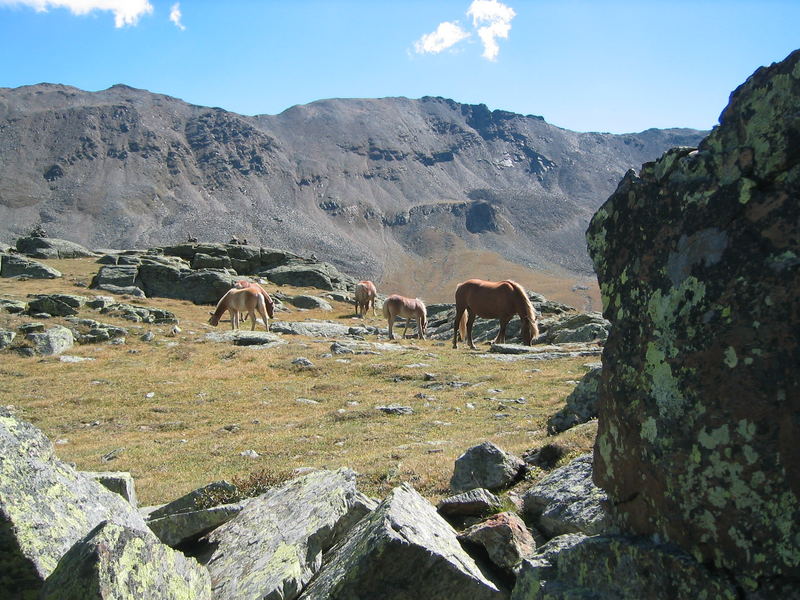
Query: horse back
[487,299]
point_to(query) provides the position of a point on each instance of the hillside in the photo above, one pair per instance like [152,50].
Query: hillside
[382,187]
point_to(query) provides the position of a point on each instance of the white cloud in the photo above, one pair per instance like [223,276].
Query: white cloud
[175,15]
[126,12]
[493,20]
[446,36]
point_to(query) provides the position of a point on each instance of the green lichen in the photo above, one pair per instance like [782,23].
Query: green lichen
[649,430]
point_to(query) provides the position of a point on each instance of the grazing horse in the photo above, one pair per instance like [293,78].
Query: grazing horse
[237,301]
[410,308]
[270,305]
[365,295]
[493,300]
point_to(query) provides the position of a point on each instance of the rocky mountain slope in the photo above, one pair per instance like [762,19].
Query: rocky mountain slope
[375,185]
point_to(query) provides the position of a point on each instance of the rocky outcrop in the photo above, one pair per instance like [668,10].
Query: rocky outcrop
[13,265]
[49,342]
[697,258]
[273,547]
[40,247]
[114,562]
[45,508]
[402,550]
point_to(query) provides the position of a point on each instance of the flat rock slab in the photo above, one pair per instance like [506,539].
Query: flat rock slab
[118,563]
[45,507]
[178,528]
[402,551]
[261,339]
[274,546]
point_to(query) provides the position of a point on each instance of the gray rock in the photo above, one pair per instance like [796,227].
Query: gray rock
[310,302]
[193,501]
[100,302]
[624,568]
[53,341]
[128,290]
[116,276]
[566,501]
[485,466]
[302,361]
[185,526]
[261,339]
[576,328]
[57,305]
[13,307]
[45,508]
[206,261]
[311,328]
[6,337]
[114,562]
[317,275]
[140,314]
[505,539]
[395,409]
[403,550]
[13,265]
[273,547]
[581,404]
[475,502]
[37,247]
[119,482]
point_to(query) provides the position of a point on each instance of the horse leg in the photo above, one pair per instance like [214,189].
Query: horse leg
[501,335]
[406,327]
[459,316]
[391,324]
[470,321]
[420,329]
[234,319]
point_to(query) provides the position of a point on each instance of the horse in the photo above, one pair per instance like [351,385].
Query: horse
[365,295]
[269,304]
[410,308]
[493,300]
[237,301]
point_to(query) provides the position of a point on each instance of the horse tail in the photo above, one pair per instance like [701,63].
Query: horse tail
[462,326]
[529,316]
[386,312]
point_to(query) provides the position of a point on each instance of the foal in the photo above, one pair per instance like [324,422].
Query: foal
[236,301]
[364,296]
[410,308]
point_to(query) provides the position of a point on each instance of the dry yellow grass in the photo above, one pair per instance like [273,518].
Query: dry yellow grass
[183,409]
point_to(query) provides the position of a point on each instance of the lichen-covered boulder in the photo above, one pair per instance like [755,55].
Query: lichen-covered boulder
[116,276]
[273,547]
[39,247]
[13,265]
[485,466]
[310,302]
[6,337]
[45,507]
[566,501]
[699,269]
[618,568]
[114,562]
[581,404]
[50,342]
[576,328]
[402,551]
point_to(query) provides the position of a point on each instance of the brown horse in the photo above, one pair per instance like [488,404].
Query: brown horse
[270,305]
[237,301]
[410,308]
[493,300]
[365,295]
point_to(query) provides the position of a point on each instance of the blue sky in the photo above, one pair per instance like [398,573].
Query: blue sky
[584,65]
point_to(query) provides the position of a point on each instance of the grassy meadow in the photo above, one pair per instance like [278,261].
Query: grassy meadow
[177,412]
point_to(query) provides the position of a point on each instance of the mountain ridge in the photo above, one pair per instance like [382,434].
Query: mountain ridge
[371,184]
